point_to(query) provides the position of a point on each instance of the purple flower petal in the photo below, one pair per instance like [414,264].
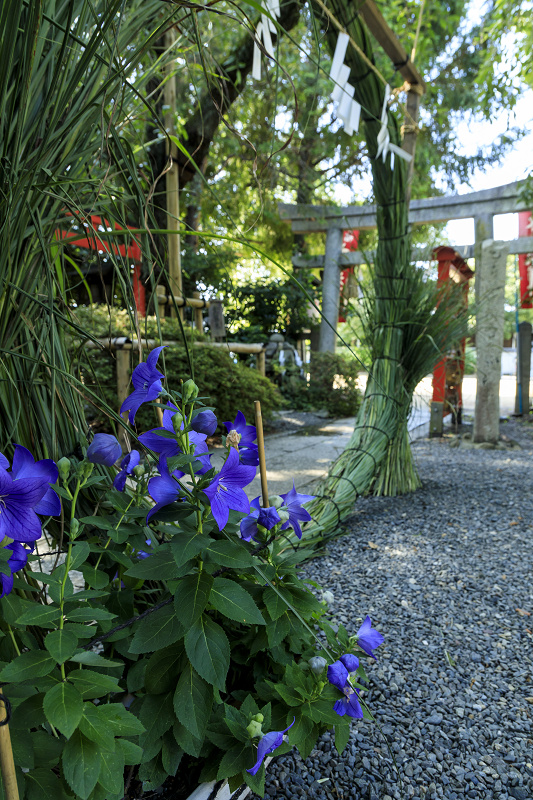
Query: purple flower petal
[353,707]
[25,466]
[104,449]
[368,638]
[248,526]
[4,463]
[226,489]
[147,373]
[248,432]
[145,394]
[205,422]
[163,489]
[340,707]
[269,742]
[127,465]
[293,503]
[338,675]
[350,661]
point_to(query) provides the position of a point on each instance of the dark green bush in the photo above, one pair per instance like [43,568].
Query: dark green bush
[333,384]
[231,386]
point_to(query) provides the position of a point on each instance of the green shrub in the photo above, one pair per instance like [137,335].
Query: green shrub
[333,384]
[230,385]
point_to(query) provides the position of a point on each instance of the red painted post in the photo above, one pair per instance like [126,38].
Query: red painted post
[350,242]
[525,266]
[444,256]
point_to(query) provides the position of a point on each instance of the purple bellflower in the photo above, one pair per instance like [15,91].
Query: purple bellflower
[104,449]
[267,517]
[17,560]
[146,379]
[248,452]
[4,463]
[169,447]
[293,503]
[348,704]
[127,465]
[350,661]
[270,742]
[368,638]
[205,422]
[248,433]
[226,490]
[18,499]
[163,488]
[25,466]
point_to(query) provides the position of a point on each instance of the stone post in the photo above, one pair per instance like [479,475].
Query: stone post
[490,290]
[523,368]
[330,291]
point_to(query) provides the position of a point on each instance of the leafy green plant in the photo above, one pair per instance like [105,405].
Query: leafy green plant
[166,640]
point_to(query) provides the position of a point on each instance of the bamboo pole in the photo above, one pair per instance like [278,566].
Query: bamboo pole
[261,452]
[7,765]
[172,179]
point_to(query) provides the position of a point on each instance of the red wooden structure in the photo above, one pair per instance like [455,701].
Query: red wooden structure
[350,242]
[525,262]
[448,373]
[92,241]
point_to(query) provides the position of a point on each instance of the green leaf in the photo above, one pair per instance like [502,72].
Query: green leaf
[235,602]
[171,753]
[120,721]
[91,659]
[63,706]
[163,668]
[42,782]
[157,630]
[187,546]
[193,701]
[342,735]
[22,747]
[94,577]
[275,604]
[236,760]
[81,764]
[189,743]
[191,597]
[93,684]
[237,722]
[161,566]
[289,694]
[228,554]
[278,630]
[33,664]
[61,645]
[47,749]
[94,726]
[157,716]
[80,553]
[112,771]
[207,646]
[132,752]
[29,713]
[88,614]
[41,616]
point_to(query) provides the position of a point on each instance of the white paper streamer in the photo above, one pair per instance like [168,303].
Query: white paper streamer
[265,28]
[385,145]
[349,110]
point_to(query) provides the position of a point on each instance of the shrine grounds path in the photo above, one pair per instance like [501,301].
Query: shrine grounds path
[446,574]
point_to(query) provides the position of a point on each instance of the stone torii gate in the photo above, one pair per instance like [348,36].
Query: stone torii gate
[490,257]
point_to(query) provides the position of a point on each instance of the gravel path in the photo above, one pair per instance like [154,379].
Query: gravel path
[446,576]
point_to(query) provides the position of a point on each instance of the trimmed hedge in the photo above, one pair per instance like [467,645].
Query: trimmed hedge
[230,385]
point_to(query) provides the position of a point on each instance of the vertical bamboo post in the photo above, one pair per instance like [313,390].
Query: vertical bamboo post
[172,179]
[7,765]
[261,452]
[198,316]
[410,130]
[122,357]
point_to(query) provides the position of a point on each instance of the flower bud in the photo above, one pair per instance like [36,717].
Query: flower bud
[104,449]
[189,391]
[283,515]
[63,466]
[74,528]
[84,470]
[177,421]
[276,501]
[254,729]
[321,685]
[317,664]
[138,471]
[328,597]
[258,718]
